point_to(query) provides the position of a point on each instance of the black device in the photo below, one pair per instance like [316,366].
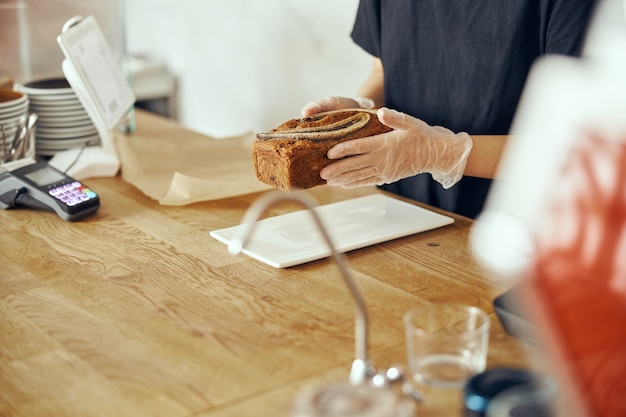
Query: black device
[42,186]
[510,392]
[515,320]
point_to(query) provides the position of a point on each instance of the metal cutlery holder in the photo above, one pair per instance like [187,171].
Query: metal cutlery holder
[21,143]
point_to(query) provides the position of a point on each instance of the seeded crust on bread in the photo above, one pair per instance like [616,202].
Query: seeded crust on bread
[291,156]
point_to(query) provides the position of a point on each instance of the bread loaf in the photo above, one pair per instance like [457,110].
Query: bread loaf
[291,156]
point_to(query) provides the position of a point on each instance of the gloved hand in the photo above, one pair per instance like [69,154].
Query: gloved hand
[413,147]
[336,103]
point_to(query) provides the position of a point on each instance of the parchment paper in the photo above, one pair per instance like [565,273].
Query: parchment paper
[177,169]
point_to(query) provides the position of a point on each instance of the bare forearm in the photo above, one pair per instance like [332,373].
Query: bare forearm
[485,156]
[373,86]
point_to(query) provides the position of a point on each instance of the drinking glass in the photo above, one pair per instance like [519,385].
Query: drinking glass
[446,343]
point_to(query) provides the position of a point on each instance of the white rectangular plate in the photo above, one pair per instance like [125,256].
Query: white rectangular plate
[292,239]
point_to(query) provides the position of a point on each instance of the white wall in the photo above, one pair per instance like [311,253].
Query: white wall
[249,64]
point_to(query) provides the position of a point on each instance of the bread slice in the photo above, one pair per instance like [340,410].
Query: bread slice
[291,156]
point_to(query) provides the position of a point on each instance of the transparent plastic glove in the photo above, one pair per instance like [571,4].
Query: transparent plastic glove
[412,148]
[336,103]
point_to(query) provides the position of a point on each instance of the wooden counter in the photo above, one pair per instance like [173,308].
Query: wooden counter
[137,311]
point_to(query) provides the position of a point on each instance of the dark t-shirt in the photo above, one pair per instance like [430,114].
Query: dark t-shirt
[463,65]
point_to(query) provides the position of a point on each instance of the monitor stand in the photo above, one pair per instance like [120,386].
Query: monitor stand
[87,162]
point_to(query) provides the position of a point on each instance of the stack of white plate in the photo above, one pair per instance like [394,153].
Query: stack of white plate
[13,110]
[63,122]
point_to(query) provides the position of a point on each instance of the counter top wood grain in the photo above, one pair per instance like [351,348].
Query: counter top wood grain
[137,311]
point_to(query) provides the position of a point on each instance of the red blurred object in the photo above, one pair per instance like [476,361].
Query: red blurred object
[578,276]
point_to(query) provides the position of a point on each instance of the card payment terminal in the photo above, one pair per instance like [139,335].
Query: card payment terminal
[42,186]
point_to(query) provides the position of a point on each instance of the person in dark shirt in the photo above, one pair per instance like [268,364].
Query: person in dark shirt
[448,77]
